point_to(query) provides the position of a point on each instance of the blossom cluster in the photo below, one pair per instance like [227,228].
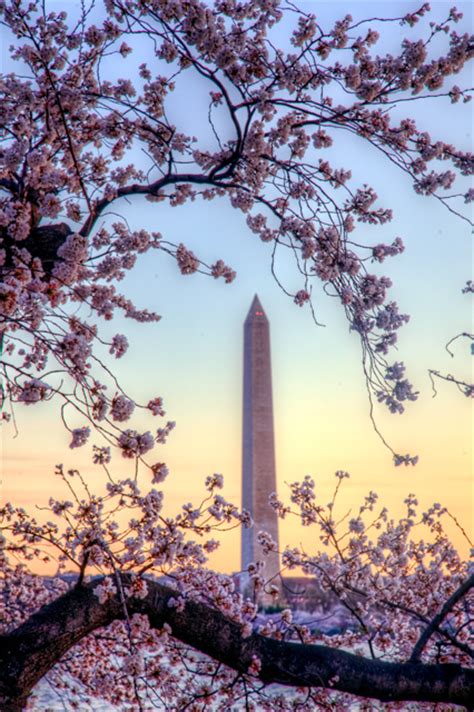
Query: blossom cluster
[362,569]
[72,144]
[68,142]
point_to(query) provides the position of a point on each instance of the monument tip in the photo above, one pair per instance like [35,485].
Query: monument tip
[256,308]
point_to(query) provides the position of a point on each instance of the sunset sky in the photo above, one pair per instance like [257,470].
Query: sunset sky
[193,356]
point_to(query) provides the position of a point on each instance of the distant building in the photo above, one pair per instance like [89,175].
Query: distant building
[258,443]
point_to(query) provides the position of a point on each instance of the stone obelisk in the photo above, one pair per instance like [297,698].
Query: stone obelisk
[258,442]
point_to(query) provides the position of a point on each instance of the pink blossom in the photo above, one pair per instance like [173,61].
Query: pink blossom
[156,406]
[134,444]
[214,481]
[187,261]
[33,391]
[79,437]
[219,269]
[105,590]
[121,408]
[255,666]
[162,433]
[102,455]
[160,472]
[119,345]
[301,297]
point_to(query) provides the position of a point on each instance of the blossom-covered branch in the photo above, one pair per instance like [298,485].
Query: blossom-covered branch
[395,595]
[41,641]
[463,589]
[68,147]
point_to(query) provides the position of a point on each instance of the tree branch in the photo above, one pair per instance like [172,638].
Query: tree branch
[143,189]
[436,621]
[38,644]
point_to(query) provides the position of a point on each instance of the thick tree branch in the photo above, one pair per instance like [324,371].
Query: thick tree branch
[37,645]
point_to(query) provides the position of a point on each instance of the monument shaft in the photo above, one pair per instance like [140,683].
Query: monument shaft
[258,452]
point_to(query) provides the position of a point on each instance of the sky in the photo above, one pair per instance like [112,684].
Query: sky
[193,356]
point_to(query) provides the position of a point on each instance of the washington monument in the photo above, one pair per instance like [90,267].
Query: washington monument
[258,443]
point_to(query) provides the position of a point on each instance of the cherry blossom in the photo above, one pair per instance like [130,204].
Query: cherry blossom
[145,622]
[399,589]
[57,248]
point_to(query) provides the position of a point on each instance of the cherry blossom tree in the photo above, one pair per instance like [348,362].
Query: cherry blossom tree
[76,142]
[127,637]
